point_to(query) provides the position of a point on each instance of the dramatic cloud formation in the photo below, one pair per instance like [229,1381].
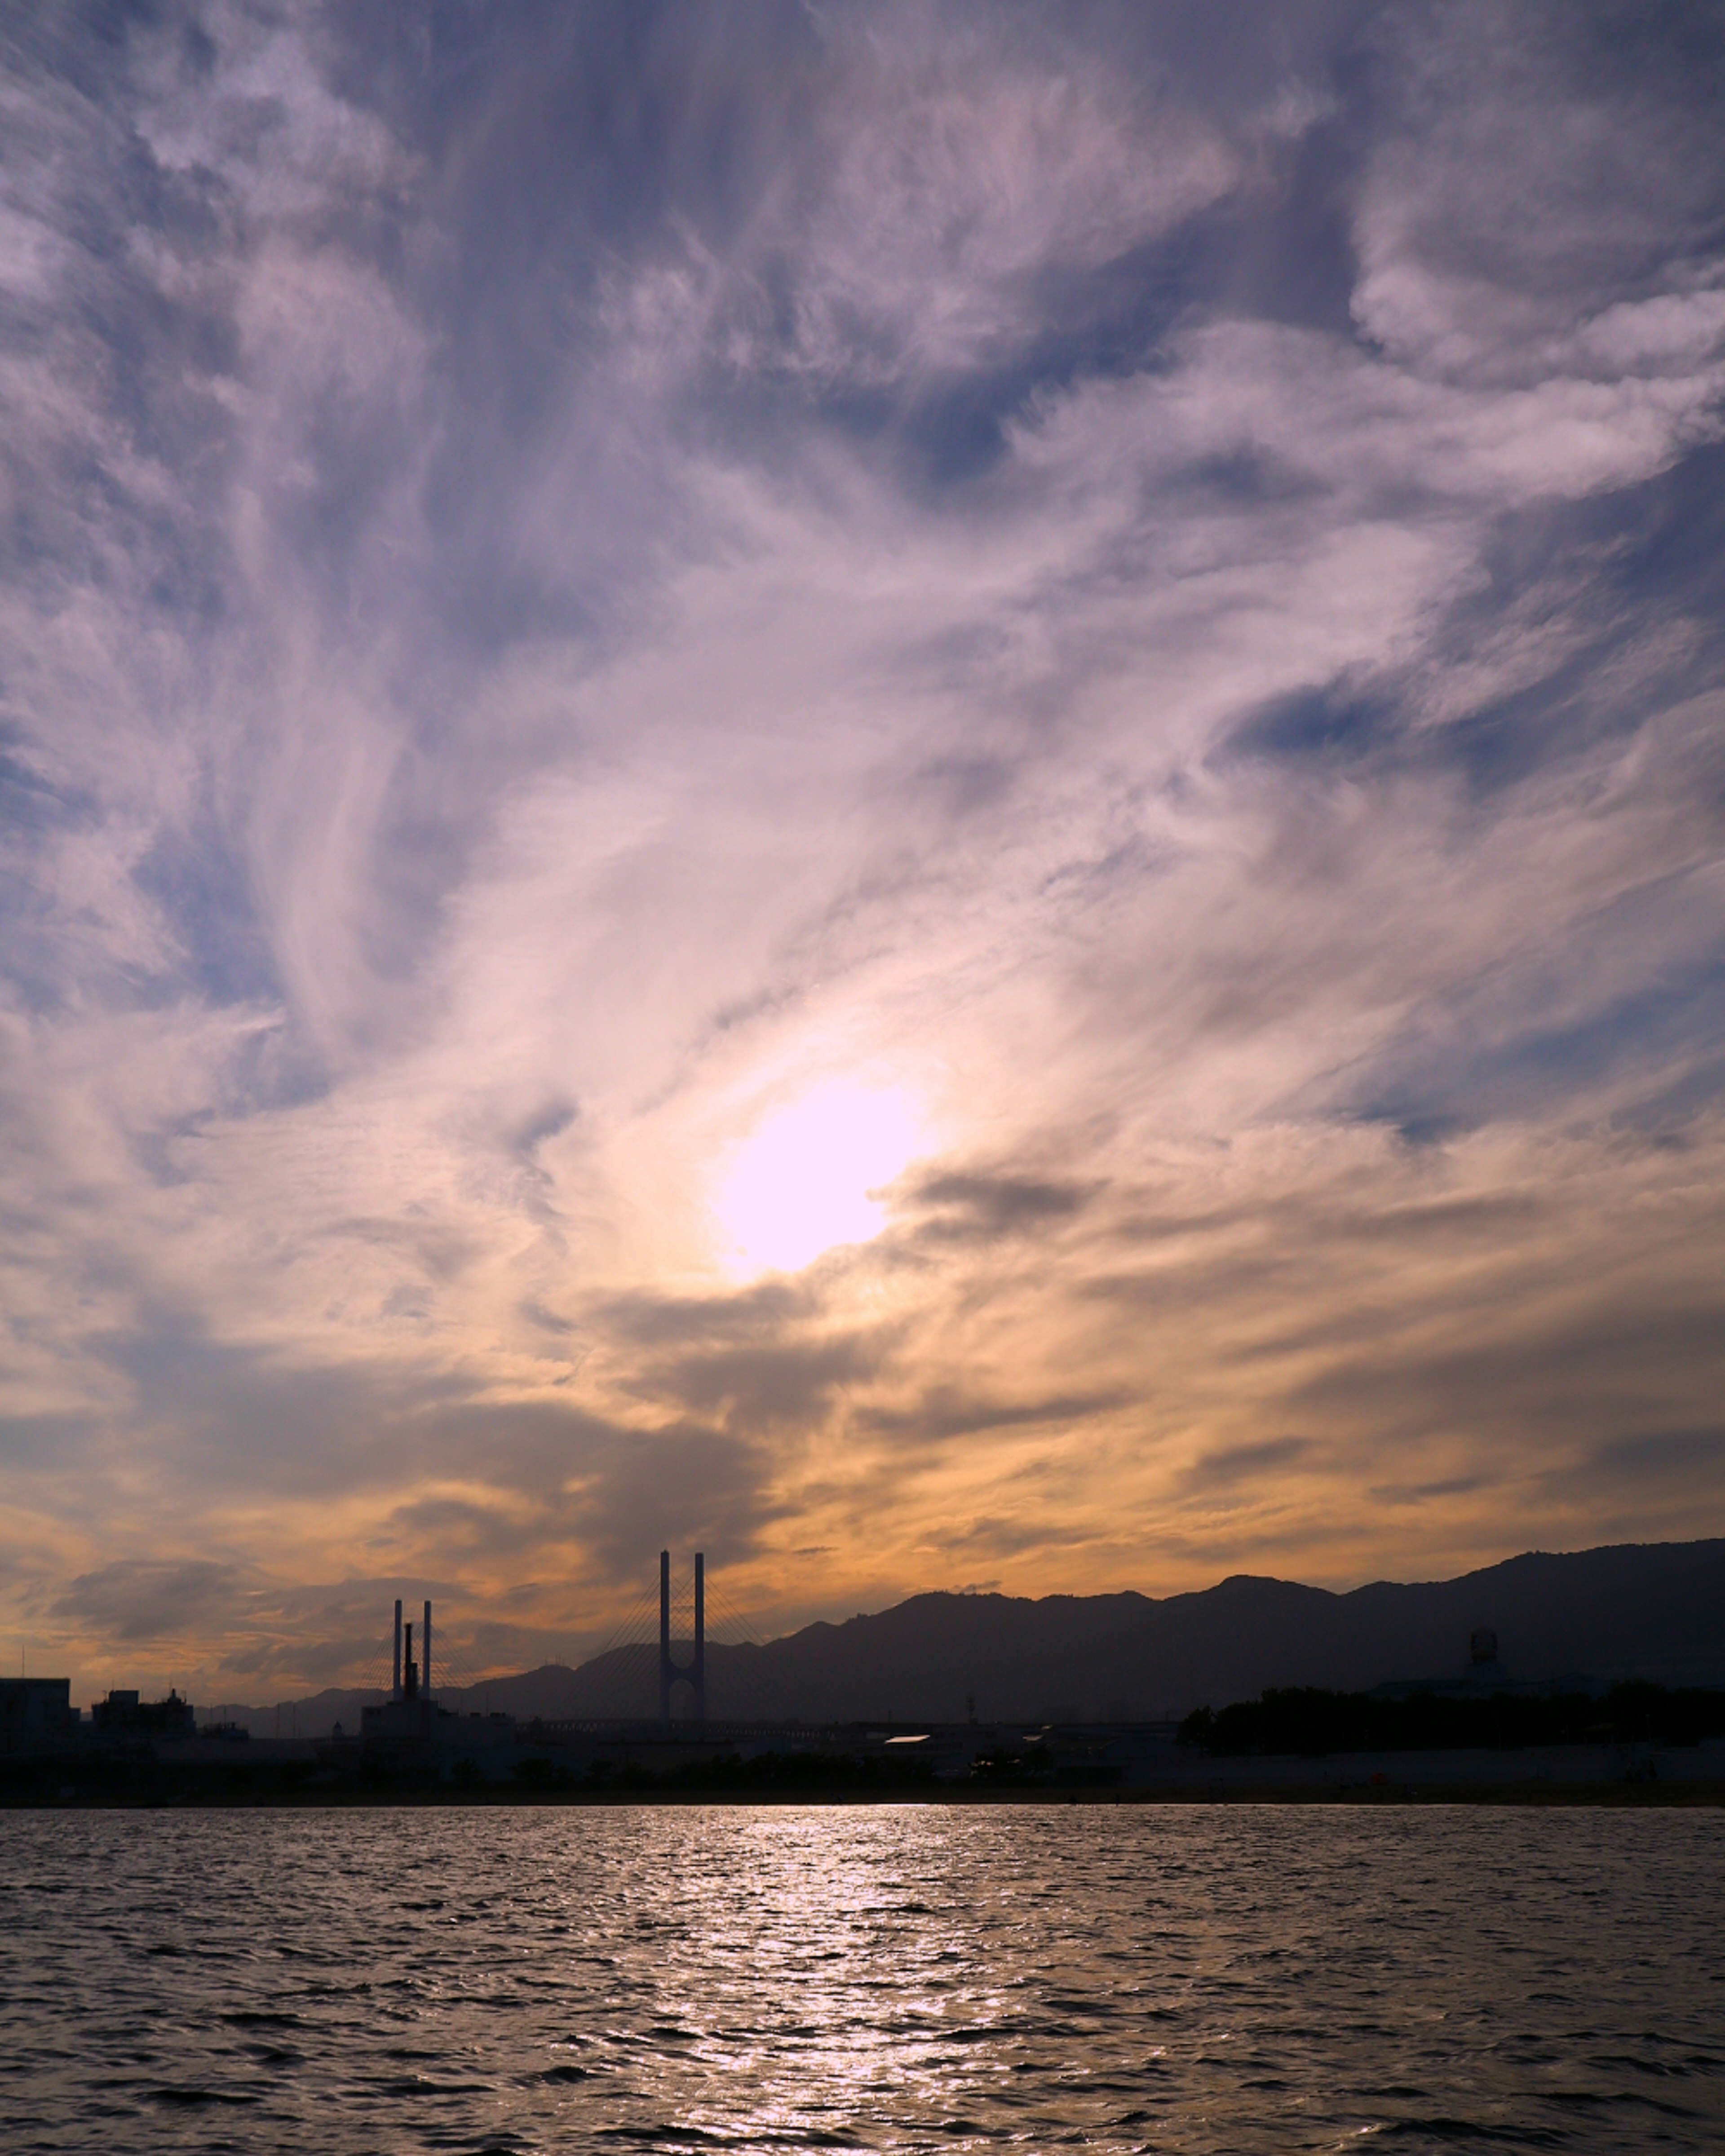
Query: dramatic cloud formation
[935,796]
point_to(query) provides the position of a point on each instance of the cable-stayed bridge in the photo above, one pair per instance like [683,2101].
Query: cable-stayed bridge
[656,1659]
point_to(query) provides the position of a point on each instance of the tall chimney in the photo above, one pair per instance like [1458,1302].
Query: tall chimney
[425,1657]
[664,1658]
[700,1669]
[395,1680]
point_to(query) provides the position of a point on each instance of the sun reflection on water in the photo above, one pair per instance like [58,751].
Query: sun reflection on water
[877,1977]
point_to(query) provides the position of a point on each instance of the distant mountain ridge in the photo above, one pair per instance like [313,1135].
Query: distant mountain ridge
[1654,1610]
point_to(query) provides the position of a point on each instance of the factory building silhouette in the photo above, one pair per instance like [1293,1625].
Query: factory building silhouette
[409,1714]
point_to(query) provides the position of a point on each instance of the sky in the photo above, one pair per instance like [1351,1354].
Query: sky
[932,795]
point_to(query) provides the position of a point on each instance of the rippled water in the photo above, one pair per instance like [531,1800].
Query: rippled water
[908,1977]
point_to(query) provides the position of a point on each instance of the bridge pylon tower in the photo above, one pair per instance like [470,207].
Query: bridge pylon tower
[669,1673]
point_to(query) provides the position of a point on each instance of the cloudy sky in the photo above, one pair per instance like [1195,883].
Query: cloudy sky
[937,796]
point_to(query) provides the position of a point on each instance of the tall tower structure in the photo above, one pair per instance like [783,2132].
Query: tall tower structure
[696,1675]
[667,1668]
[700,1666]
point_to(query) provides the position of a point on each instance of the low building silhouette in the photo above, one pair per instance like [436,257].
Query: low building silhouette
[124,1714]
[35,1710]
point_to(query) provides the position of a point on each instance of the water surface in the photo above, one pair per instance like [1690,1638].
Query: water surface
[1169,1977]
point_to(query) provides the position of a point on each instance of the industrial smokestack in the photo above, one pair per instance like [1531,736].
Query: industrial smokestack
[425,1656]
[395,1679]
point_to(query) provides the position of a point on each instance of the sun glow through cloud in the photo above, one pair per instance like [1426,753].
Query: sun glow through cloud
[811,1177]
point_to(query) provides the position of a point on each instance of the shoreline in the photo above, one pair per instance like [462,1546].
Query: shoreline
[1656,1796]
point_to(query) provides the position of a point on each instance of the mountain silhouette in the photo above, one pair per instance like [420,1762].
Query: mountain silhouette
[1635,1610]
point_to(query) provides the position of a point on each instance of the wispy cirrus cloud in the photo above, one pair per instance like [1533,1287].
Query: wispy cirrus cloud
[1144,590]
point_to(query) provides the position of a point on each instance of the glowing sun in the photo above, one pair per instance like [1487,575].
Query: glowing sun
[810,1177]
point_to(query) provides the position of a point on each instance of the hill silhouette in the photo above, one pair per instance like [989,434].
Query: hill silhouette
[1654,1611]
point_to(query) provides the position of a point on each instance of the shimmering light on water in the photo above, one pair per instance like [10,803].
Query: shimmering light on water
[899,1978]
